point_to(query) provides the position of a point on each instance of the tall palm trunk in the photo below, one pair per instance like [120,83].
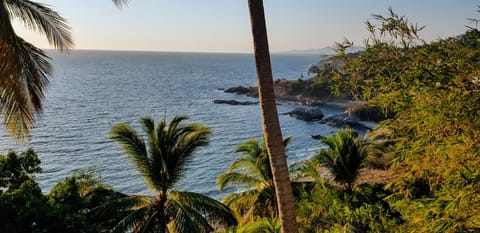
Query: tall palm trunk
[271,125]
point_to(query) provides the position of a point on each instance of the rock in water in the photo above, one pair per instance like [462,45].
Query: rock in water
[241,90]
[344,119]
[306,114]
[234,102]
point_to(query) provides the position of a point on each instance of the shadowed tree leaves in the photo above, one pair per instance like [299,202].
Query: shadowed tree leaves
[24,69]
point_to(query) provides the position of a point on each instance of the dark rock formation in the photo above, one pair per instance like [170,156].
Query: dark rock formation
[241,90]
[306,114]
[234,102]
[365,112]
[343,120]
[302,92]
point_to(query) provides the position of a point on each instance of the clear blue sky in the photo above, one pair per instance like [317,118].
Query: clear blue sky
[223,25]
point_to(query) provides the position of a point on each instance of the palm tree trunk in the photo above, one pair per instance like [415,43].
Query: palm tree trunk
[271,125]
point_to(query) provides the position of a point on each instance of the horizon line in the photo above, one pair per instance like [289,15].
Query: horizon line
[291,52]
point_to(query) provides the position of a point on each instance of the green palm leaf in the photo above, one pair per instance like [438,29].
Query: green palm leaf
[170,146]
[239,180]
[41,18]
[181,220]
[123,204]
[250,148]
[252,172]
[344,156]
[24,69]
[205,212]
[246,165]
[136,220]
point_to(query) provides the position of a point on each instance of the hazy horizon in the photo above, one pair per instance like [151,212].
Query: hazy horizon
[224,26]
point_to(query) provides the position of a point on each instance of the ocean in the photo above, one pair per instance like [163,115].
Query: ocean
[92,90]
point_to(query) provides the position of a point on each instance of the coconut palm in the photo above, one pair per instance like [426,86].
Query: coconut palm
[343,157]
[271,125]
[251,172]
[24,68]
[161,161]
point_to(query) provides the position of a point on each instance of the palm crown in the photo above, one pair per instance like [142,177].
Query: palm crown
[24,68]
[251,172]
[343,157]
[161,161]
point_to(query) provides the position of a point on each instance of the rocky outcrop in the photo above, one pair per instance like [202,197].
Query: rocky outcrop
[300,92]
[235,102]
[306,114]
[345,120]
[365,112]
[241,90]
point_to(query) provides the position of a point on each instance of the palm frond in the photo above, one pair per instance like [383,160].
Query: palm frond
[262,225]
[266,203]
[245,165]
[40,17]
[193,137]
[135,220]
[202,207]
[150,223]
[136,152]
[180,219]
[241,202]
[123,204]
[120,3]
[24,71]
[344,156]
[239,180]
[251,148]
[148,126]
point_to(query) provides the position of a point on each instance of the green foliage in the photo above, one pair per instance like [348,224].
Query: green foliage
[162,162]
[76,196]
[344,156]
[251,172]
[258,225]
[434,91]
[23,208]
[15,170]
[25,68]
[328,209]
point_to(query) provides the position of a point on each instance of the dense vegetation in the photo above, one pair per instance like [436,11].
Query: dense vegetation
[434,91]
[430,93]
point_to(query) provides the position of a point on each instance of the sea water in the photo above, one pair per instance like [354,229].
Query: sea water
[92,90]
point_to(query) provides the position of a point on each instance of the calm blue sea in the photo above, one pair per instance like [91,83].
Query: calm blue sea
[91,90]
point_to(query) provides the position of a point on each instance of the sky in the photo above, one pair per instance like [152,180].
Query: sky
[224,25]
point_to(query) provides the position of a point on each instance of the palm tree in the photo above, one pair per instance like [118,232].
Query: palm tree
[344,156]
[162,164]
[24,68]
[271,125]
[251,172]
